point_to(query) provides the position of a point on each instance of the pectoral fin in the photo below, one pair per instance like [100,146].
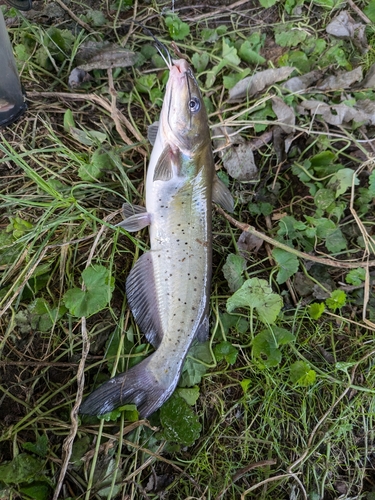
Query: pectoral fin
[152,132]
[221,195]
[163,170]
[135,222]
[136,218]
[141,294]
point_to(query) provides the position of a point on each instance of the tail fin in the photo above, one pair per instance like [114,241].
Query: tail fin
[138,385]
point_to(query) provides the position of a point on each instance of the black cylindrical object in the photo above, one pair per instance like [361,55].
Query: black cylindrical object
[12,101]
[20,4]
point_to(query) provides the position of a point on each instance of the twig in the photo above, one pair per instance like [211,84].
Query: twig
[359,12]
[343,264]
[105,104]
[327,413]
[241,472]
[271,479]
[77,19]
[69,440]
[218,11]
[114,110]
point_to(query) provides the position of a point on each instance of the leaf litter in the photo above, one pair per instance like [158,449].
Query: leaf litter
[280,304]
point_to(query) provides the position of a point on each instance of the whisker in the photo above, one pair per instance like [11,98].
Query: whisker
[189,92]
[160,47]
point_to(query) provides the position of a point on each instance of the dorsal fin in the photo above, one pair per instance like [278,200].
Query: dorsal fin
[141,294]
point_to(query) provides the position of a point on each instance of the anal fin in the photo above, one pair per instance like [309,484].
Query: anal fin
[141,294]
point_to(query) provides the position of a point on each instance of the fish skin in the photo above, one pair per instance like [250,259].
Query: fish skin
[168,288]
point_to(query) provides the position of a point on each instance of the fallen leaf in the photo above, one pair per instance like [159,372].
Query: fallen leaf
[239,162]
[285,114]
[248,244]
[369,81]
[257,82]
[77,77]
[237,154]
[302,82]
[343,26]
[342,80]
[337,114]
[103,55]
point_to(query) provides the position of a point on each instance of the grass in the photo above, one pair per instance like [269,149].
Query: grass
[66,168]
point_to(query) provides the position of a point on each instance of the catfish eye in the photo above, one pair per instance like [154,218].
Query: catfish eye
[194,105]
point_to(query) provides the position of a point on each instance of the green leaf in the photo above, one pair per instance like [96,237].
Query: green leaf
[18,227]
[328,4]
[335,241]
[290,37]
[262,208]
[266,345]
[99,162]
[267,3]
[189,394]
[200,61]
[324,198]
[287,262]
[80,448]
[245,384]
[68,120]
[316,310]
[337,300]
[178,30]
[369,10]
[249,50]
[95,18]
[230,81]
[225,350]
[342,180]
[290,227]
[264,113]
[24,468]
[39,490]
[40,447]
[356,276]
[195,365]
[233,270]
[257,294]
[301,374]
[99,287]
[235,322]
[371,188]
[299,60]
[229,55]
[180,423]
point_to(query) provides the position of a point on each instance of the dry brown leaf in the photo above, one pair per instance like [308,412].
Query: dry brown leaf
[237,154]
[344,26]
[302,82]
[248,244]
[257,82]
[342,80]
[337,114]
[111,57]
[369,81]
[285,114]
